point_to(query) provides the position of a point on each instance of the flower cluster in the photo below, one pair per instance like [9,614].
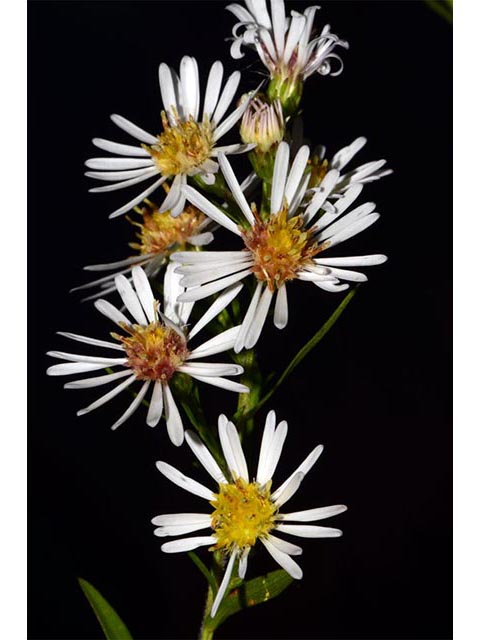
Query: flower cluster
[284,218]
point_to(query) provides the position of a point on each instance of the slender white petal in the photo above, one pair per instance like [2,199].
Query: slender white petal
[144,292]
[283,559]
[109,266]
[354,229]
[356,214]
[297,25]
[224,584]
[221,342]
[267,438]
[178,478]
[111,312]
[68,368]
[108,396]
[121,149]
[178,529]
[201,239]
[346,274]
[155,409]
[236,446]
[288,489]
[77,357]
[201,277]
[229,122]
[235,188]
[198,293]
[278,25]
[311,515]
[296,172]
[222,383]
[211,369]
[217,307]
[321,194]
[92,341]
[181,518]
[167,91]
[209,209]
[259,319]
[120,176]
[144,175]
[118,164]
[87,383]
[273,453]
[190,86]
[173,418]
[130,299]
[304,468]
[133,406]
[286,547]
[191,257]
[353,261]
[243,563]
[204,456]
[248,319]
[279,177]
[331,287]
[137,199]
[133,130]
[227,96]
[309,531]
[212,91]
[343,157]
[280,315]
[187,544]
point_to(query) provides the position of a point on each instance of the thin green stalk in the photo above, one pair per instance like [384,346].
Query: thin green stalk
[252,378]
[305,350]
[204,570]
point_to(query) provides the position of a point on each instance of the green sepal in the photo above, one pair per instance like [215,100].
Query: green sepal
[112,625]
[248,594]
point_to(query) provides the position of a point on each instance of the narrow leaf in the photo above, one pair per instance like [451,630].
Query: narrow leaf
[112,625]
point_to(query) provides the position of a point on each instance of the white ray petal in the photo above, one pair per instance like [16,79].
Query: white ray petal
[183,481]
[110,266]
[278,25]
[354,229]
[204,456]
[144,175]
[108,396]
[353,261]
[174,195]
[311,515]
[167,91]
[121,149]
[258,8]
[211,369]
[181,518]
[212,91]
[284,546]
[201,239]
[234,185]
[130,299]
[180,529]
[68,368]
[118,164]
[133,406]
[187,544]
[191,257]
[356,214]
[133,130]
[243,563]
[198,293]
[139,198]
[259,319]
[155,409]
[144,292]
[120,176]
[331,287]
[217,307]
[92,341]
[280,170]
[88,383]
[172,417]
[303,468]
[236,446]
[111,312]
[321,194]
[248,319]
[283,559]
[273,453]
[296,172]
[219,343]
[229,122]
[209,209]
[190,86]
[343,157]
[77,357]
[222,383]
[309,531]
[224,584]
[267,438]
[288,489]
[202,277]
[227,96]
[297,26]
[347,274]
[280,315]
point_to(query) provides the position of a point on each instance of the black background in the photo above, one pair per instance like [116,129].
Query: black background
[376,392]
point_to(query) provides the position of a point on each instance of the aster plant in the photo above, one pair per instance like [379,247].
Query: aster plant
[275,225]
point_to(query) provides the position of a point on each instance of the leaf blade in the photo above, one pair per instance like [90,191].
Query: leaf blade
[112,625]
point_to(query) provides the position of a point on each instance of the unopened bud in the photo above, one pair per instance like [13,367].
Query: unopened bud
[263,124]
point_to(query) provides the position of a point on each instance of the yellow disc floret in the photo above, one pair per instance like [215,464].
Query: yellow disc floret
[183,147]
[280,247]
[154,351]
[160,233]
[243,513]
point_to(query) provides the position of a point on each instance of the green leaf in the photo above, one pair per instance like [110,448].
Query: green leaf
[112,625]
[249,594]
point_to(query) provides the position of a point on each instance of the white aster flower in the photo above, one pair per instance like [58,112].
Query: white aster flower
[154,348]
[186,147]
[159,235]
[283,247]
[244,510]
[284,45]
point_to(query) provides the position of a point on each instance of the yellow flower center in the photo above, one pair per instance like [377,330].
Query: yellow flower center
[154,352]
[183,147]
[243,513]
[280,247]
[161,233]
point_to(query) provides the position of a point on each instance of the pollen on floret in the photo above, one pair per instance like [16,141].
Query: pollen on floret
[280,247]
[318,171]
[160,233]
[154,351]
[182,147]
[243,513]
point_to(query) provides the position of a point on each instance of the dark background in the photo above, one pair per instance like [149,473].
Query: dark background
[376,392]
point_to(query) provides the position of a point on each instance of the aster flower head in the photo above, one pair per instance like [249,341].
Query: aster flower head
[286,245]
[285,46]
[158,236]
[244,510]
[187,145]
[154,347]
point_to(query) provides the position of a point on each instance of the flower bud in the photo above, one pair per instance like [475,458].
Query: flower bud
[262,124]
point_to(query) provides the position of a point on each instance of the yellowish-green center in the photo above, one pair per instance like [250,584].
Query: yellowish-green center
[154,351]
[280,247]
[160,233]
[243,513]
[319,169]
[183,147]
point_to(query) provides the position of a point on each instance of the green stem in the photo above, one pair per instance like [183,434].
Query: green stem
[203,569]
[252,378]
[305,350]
